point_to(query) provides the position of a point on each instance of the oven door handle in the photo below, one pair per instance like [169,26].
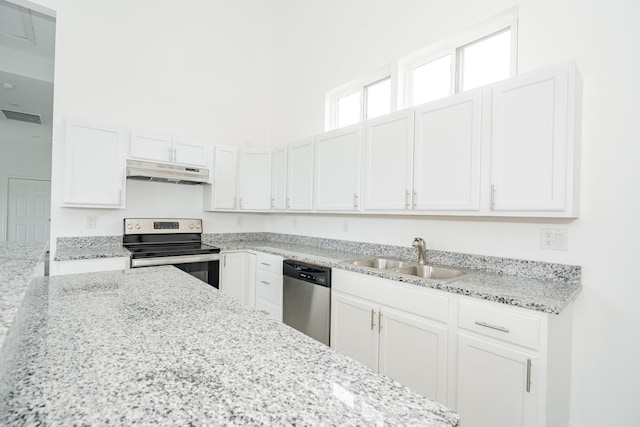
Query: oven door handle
[149,262]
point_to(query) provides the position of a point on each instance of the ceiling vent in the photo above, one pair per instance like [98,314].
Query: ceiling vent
[22,117]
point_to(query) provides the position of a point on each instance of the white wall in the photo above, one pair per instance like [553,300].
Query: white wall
[320,45]
[21,159]
[200,70]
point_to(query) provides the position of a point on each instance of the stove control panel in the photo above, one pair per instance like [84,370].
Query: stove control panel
[161,225]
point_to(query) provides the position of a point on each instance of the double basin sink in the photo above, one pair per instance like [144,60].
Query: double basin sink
[425,271]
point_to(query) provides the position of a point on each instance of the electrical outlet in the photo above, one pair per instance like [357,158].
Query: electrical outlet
[554,239]
[90,221]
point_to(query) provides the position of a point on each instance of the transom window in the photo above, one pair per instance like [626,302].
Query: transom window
[358,101]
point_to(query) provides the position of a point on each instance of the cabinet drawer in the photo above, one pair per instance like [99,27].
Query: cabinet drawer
[516,328]
[269,286]
[268,262]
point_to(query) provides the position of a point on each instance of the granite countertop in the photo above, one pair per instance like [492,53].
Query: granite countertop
[20,263]
[539,286]
[157,346]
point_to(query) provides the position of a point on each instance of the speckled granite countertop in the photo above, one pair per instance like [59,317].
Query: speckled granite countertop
[19,264]
[539,286]
[156,346]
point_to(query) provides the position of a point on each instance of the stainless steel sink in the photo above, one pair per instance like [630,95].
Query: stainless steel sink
[425,271]
[380,263]
[431,272]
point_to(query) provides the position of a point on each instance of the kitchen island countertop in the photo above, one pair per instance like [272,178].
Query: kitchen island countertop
[157,346]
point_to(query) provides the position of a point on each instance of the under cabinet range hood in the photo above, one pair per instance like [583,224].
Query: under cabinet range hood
[166,172]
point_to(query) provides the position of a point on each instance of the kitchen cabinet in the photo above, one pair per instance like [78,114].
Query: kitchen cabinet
[513,365]
[388,162]
[279,179]
[255,180]
[237,275]
[94,165]
[165,148]
[397,329]
[447,154]
[222,193]
[534,121]
[337,165]
[300,175]
[268,285]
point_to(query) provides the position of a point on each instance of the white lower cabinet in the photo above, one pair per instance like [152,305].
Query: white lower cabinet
[89,265]
[237,273]
[392,339]
[268,285]
[495,364]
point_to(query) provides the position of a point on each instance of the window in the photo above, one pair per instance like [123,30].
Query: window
[361,100]
[431,80]
[485,61]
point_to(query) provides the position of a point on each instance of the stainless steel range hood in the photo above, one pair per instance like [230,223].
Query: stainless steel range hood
[166,172]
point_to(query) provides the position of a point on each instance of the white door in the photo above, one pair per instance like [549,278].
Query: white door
[300,176]
[413,351]
[279,179]
[497,385]
[354,328]
[529,142]
[190,152]
[447,154]
[28,209]
[337,170]
[388,168]
[151,146]
[255,180]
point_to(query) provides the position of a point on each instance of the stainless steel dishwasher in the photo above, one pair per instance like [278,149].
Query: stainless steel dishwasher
[306,301]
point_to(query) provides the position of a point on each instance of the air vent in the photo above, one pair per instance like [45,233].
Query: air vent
[22,117]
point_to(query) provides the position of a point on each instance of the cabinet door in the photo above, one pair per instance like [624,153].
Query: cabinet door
[225,169]
[388,168]
[255,180]
[94,166]
[300,176]
[447,154]
[497,386]
[532,122]
[354,328]
[337,170]
[279,179]
[190,152]
[413,351]
[269,293]
[234,276]
[151,146]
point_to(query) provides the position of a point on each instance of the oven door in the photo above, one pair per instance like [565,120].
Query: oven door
[205,267]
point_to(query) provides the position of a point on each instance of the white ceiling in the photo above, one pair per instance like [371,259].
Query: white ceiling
[27,37]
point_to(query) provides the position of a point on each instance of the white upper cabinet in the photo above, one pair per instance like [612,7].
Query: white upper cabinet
[222,194]
[337,170]
[447,154]
[255,180]
[533,144]
[94,165]
[165,148]
[279,179]
[388,169]
[300,176]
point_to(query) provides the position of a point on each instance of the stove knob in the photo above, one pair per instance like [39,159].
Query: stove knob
[137,226]
[129,226]
[191,226]
[198,226]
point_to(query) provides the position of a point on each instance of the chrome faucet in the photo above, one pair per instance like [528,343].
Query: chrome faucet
[422,250]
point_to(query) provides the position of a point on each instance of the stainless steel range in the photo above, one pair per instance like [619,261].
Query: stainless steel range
[177,242]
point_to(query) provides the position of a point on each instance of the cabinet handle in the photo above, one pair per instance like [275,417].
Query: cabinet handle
[273,203]
[355,201]
[265,263]
[288,203]
[240,202]
[413,202]
[175,155]
[264,282]
[170,153]
[528,375]
[235,202]
[493,196]
[224,260]
[406,199]
[379,321]
[497,328]
[373,323]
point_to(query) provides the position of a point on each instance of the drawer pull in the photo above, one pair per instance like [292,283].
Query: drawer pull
[373,324]
[264,282]
[267,264]
[528,375]
[497,328]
